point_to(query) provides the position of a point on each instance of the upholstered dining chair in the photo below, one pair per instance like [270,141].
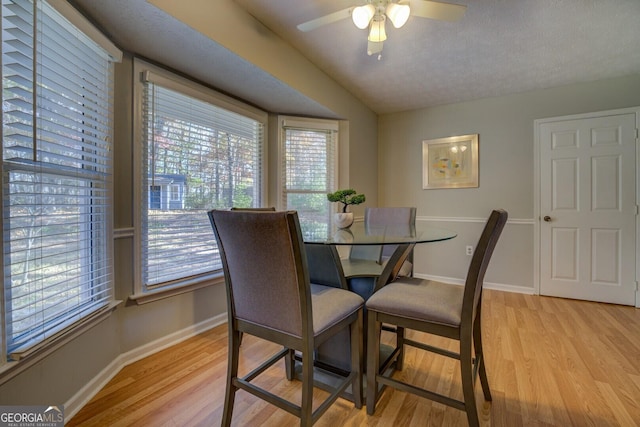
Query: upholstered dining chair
[440,309]
[269,295]
[366,264]
[401,218]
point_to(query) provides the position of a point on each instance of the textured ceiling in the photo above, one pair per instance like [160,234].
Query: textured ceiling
[498,47]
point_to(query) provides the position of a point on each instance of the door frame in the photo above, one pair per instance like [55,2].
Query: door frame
[537,190]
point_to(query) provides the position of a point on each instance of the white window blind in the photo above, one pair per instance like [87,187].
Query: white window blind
[57,88]
[309,171]
[197,156]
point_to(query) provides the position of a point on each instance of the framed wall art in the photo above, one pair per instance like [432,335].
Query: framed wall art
[450,162]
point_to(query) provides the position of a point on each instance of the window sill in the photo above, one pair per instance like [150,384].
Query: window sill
[38,353]
[173,290]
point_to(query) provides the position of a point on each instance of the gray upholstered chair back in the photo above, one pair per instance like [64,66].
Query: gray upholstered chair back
[401,219]
[480,261]
[390,216]
[324,265]
[265,268]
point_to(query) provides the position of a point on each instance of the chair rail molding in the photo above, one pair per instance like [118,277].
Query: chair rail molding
[514,221]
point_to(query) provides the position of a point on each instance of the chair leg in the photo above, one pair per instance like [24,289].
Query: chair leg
[357,360]
[400,345]
[373,360]
[477,342]
[306,405]
[290,365]
[466,369]
[232,373]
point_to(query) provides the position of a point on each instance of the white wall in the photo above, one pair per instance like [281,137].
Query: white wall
[505,126]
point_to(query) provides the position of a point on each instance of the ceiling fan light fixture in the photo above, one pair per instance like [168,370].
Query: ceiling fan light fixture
[398,13]
[362,15]
[374,48]
[373,14]
[377,32]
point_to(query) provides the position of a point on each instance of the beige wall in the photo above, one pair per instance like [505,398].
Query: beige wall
[506,129]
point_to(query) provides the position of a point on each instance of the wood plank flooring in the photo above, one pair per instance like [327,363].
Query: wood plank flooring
[550,362]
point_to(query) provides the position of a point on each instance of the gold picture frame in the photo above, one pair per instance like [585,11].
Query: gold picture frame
[450,162]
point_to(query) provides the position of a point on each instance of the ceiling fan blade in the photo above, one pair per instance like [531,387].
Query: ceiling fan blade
[324,20]
[437,10]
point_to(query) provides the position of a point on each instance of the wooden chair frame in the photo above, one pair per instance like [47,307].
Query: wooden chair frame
[468,333]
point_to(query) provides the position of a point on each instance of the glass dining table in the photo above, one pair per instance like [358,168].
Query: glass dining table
[403,237]
[365,277]
[361,234]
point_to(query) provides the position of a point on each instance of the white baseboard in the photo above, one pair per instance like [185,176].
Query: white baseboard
[86,393]
[487,285]
[509,288]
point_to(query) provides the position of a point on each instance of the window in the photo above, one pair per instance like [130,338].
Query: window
[175,193]
[308,170]
[198,151]
[56,168]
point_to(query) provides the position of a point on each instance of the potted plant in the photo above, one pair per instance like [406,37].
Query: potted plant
[347,197]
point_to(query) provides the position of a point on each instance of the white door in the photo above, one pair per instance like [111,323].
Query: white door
[588,208]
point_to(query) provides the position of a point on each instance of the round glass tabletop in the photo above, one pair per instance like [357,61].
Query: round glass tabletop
[359,234]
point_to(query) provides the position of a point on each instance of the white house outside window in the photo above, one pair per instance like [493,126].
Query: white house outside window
[198,150]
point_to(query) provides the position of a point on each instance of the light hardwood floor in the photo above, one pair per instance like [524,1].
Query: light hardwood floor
[550,362]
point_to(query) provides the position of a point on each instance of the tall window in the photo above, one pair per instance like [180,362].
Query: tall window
[56,168]
[308,170]
[199,151]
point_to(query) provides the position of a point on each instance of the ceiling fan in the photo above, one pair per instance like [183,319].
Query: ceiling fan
[374,14]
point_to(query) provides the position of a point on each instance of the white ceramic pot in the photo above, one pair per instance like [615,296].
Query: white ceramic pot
[343,219]
[343,235]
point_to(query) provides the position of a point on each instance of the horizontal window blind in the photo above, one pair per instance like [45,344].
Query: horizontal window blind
[197,156]
[309,162]
[57,89]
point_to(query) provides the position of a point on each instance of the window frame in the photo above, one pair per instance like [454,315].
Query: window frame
[174,193]
[142,72]
[77,324]
[312,124]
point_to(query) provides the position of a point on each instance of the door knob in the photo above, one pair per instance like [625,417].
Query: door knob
[547,218]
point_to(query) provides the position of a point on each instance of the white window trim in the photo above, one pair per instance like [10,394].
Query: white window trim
[144,71]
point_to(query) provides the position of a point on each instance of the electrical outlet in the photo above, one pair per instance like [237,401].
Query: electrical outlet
[469,250]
